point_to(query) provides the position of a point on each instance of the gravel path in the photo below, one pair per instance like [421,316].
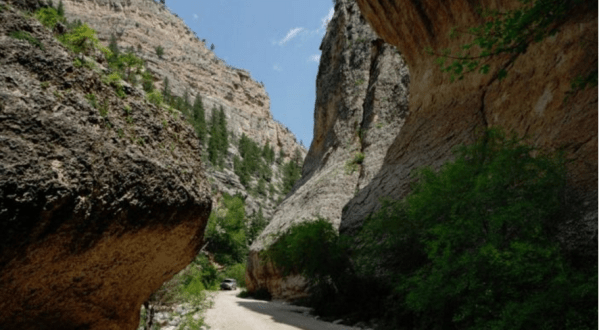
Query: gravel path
[232,313]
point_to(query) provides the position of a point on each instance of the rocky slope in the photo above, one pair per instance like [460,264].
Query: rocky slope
[95,212]
[530,101]
[144,25]
[188,64]
[360,107]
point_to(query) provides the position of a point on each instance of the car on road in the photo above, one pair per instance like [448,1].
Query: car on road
[228,284]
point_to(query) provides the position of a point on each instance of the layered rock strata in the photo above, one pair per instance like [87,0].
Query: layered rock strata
[100,201]
[361,104]
[144,25]
[535,100]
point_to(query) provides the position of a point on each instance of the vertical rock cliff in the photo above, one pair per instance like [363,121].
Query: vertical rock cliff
[95,211]
[530,101]
[144,25]
[361,104]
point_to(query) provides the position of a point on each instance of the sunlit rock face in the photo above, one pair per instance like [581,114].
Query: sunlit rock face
[188,63]
[530,101]
[95,211]
[361,103]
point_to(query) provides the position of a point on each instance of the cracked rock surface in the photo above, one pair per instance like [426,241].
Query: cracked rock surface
[361,104]
[530,102]
[97,208]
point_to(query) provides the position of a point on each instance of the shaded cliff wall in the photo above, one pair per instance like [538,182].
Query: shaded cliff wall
[95,211]
[361,104]
[530,101]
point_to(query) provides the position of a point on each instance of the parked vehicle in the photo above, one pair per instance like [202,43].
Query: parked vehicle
[228,284]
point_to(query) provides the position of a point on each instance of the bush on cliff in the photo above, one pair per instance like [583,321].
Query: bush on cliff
[475,245]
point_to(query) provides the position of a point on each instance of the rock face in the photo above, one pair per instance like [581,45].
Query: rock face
[188,64]
[360,107]
[530,101]
[95,211]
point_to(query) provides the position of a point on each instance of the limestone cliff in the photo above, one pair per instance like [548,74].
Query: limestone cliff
[361,104]
[95,211]
[143,25]
[530,101]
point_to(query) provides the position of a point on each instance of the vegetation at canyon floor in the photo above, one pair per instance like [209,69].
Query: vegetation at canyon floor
[473,246]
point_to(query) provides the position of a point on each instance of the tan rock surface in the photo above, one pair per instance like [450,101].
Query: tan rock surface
[529,102]
[95,212]
[360,105]
[187,63]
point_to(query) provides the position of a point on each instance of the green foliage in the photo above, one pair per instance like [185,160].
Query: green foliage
[255,161]
[218,144]
[147,81]
[292,172]
[509,32]
[474,246]
[155,97]
[226,231]
[237,272]
[309,248]
[49,17]
[268,153]
[79,62]
[159,51]
[81,39]
[24,35]
[60,9]
[315,250]
[113,46]
[199,118]
[353,164]
[257,223]
[209,274]
[92,100]
[114,80]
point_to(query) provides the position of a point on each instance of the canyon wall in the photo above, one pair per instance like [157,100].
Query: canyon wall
[361,104]
[143,25]
[100,202]
[189,65]
[535,100]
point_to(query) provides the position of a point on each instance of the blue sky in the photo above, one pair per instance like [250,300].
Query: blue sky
[276,40]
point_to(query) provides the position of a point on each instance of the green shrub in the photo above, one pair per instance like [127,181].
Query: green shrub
[237,272]
[114,80]
[159,51]
[92,100]
[225,232]
[49,17]
[292,172]
[82,39]
[474,246]
[155,97]
[24,35]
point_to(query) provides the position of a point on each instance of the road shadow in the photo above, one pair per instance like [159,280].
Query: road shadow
[290,315]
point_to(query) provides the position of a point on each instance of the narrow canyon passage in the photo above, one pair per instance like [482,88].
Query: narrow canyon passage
[232,313]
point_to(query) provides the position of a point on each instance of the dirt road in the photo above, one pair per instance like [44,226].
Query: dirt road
[232,313]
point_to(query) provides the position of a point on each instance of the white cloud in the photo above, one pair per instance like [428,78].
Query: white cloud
[195,16]
[314,58]
[290,35]
[277,67]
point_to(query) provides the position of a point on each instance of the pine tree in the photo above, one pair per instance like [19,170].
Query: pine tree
[222,131]
[113,46]
[199,118]
[166,91]
[213,142]
[60,9]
